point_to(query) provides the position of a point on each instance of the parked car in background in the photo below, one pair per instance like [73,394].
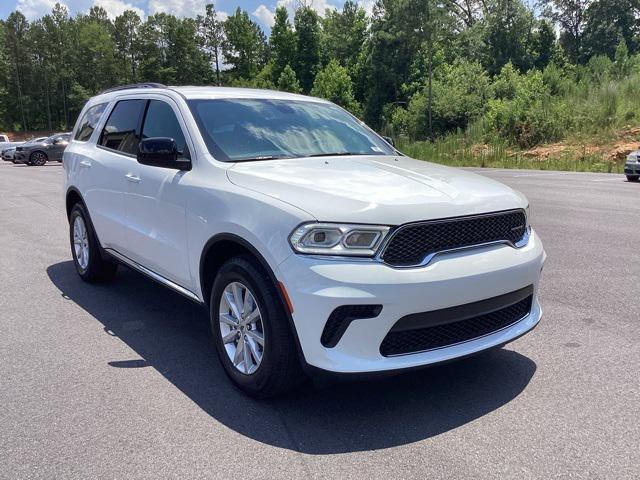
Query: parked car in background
[5,143]
[8,154]
[315,245]
[632,166]
[38,153]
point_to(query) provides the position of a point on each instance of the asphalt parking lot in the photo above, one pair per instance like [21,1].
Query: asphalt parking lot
[120,380]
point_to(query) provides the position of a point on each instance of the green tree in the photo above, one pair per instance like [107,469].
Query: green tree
[570,15]
[95,45]
[622,65]
[334,84]
[460,94]
[282,42]
[344,34]
[169,52]
[4,76]
[308,39]
[16,27]
[288,82]
[212,31]
[386,64]
[608,21]
[509,33]
[543,44]
[244,47]
[126,36]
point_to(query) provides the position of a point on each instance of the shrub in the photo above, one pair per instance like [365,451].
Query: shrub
[527,114]
[334,83]
[460,92]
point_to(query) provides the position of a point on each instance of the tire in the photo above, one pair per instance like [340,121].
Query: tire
[38,159]
[633,178]
[279,369]
[90,262]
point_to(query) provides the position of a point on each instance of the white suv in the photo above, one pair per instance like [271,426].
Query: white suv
[314,244]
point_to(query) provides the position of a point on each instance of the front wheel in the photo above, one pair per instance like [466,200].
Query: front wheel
[251,331]
[633,178]
[38,159]
[85,249]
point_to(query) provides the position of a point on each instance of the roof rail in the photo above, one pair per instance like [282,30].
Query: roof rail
[134,85]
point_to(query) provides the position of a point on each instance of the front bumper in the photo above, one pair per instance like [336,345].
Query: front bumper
[317,286]
[632,169]
[20,157]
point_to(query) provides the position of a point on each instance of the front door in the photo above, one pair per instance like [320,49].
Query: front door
[156,231]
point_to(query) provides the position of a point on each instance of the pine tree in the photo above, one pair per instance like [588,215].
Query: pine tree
[288,82]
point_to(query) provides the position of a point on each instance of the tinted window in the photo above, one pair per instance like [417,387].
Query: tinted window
[160,121]
[89,122]
[121,130]
[262,129]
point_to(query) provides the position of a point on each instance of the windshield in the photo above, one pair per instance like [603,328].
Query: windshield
[262,129]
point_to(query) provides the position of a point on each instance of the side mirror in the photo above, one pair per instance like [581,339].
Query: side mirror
[389,140]
[161,152]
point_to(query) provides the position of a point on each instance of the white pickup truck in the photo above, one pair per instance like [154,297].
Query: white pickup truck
[5,143]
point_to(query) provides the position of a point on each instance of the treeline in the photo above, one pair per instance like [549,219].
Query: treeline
[418,68]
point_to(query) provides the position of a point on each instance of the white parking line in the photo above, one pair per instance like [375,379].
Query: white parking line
[614,179]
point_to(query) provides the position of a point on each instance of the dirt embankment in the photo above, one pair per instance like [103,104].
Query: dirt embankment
[616,150]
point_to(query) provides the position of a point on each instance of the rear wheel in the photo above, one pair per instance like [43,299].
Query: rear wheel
[251,331]
[38,159]
[85,249]
[633,178]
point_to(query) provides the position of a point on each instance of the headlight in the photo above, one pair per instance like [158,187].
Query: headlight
[527,214]
[338,239]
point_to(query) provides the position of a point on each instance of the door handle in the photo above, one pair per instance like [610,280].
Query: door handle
[132,178]
[85,163]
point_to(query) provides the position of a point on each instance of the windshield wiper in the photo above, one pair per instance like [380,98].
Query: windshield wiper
[333,154]
[262,157]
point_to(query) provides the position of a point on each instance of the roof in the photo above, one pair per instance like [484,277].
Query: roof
[230,92]
[193,92]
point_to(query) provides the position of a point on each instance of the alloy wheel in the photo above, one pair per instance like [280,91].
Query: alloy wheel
[39,159]
[81,242]
[241,327]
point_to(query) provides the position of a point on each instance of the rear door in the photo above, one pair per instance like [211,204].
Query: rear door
[102,169]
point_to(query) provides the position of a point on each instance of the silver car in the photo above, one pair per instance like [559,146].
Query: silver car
[8,154]
[632,166]
[38,153]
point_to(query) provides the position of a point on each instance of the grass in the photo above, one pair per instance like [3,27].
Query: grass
[456,150]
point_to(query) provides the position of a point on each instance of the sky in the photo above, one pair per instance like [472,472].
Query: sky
[261,11]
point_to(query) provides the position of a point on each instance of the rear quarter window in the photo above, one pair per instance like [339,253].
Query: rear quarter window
[89,122]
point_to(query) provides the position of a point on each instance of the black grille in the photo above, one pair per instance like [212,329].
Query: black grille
[413,242]
[342,317]
[422,339]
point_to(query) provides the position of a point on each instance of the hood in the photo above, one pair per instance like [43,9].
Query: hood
[375,189]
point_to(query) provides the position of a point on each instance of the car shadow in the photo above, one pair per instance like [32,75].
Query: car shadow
[171,334]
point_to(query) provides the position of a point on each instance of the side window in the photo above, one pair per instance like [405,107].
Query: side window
[160,121]
[89,122]
[121,130]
